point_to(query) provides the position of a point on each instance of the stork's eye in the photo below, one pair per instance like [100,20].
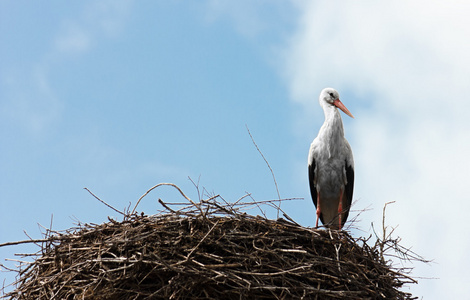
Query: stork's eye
[331,95]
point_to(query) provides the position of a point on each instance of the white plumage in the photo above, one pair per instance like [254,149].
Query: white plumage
[331,165]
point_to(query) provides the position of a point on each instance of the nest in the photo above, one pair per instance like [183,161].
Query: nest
[207,250]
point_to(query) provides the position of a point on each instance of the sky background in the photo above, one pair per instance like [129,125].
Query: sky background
[117,96]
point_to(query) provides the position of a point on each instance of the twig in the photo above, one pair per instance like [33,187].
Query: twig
[50,239]
[160,184]
[384,230]
[200,242]
[196,185]
[267,163]
[290,219]
[257,205]
[166,206]
[337,247]
[116,210]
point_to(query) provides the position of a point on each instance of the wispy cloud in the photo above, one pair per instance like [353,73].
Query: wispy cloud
[29,100]
[406,63]
[74,40]
[29,96]
[109,16]
[95,21]
[251,19]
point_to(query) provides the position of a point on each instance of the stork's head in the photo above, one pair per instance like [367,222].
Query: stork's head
[330,96]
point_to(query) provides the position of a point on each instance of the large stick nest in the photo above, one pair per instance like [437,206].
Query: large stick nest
[207,250]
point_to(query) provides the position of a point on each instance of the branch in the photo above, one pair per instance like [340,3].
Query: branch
[160,184]
[104,202]
[267,163]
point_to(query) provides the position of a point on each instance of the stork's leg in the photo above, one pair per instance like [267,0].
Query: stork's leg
[340,208]
[318,209]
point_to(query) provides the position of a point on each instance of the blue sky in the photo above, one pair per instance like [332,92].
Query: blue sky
[118,96]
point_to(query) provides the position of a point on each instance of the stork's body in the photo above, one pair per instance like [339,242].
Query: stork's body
[331,165]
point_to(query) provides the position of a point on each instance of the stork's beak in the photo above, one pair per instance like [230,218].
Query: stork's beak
[341,106]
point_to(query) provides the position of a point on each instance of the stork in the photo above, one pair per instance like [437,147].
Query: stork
[331,165]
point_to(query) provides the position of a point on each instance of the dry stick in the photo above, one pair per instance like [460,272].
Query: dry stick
[276,273]
[49,231]
[116,210]
[384,229]
[290,219]
[200,242]
[254,201]
[355,219]
[241,198]
[51,239]
[165,206]
[267,163]
[196,185]
[160,184]
[278,207]
[337,256]
[383,219]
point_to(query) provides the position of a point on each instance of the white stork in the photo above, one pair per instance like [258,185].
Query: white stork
[331,165]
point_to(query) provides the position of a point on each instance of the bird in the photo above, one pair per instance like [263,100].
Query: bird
[331,165]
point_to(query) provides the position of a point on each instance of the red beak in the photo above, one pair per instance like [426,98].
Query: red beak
[341,106]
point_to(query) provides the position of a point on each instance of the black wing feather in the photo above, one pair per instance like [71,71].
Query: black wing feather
[348,192]
[311,180]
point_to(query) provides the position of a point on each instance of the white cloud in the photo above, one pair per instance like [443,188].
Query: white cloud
[244,15]
[30,99]
[410,62]
[109,16]
[73,40]
[252,19]
[103,18]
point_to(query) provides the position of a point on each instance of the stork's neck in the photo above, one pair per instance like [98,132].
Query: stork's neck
[332,129]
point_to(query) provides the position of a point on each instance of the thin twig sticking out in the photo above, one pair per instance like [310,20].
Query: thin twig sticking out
[170,184]
[384,230]
[267,163]
[116,210]
[50,239]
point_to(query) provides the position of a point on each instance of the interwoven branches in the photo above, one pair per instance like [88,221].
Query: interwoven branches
[207,250]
